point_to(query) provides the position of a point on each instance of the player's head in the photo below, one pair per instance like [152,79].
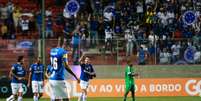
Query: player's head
[129,62]
[38,60]
[20,59]
[87,60]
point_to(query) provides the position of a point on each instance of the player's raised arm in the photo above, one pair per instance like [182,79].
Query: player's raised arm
[67,67]
[81,59]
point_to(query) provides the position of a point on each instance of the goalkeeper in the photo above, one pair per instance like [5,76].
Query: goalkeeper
[130,80]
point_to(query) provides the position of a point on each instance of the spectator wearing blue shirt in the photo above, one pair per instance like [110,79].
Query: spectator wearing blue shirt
[75,43]
[141,56]
[87,73]
[93,23]
[49,30]
[39,23]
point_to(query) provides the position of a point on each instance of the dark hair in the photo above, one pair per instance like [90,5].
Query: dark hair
[128,60]
[19,59]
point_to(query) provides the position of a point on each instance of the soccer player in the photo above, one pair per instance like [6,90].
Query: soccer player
[59,63]
[36,78]
[17,75]
[129,80]
[87,73]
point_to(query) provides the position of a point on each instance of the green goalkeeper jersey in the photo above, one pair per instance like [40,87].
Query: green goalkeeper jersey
[129,79]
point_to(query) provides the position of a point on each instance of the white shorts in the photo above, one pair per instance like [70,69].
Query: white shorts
[37,86]
[16,87]
[84,84]
[58,89]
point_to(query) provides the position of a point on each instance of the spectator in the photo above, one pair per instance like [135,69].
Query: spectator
[24,25]
[67,32]
[175,51]
[85,39]
[39,23]
[4,31]
[129,38]
[152,38]
[164,56]
[108,39]
[140,10]
[49,30]
[48,12]
[75,44]
[16,16]
[141,56]
[108,17]
[93,27]
[101,31]
[4,12]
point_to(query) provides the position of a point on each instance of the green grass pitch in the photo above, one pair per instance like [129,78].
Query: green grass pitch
[129,99]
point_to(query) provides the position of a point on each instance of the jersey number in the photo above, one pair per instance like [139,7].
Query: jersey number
[54,63]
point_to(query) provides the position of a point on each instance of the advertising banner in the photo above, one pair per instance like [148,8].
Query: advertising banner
[143,87]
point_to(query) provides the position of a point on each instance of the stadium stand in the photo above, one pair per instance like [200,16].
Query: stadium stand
[163,18]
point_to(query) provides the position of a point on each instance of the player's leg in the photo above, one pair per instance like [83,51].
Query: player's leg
[35,90]
[84,94]
[40,88]
[13,97]
[128,87]
[20,92]
[125,95]
[133,92]
[59,90]
[83,86]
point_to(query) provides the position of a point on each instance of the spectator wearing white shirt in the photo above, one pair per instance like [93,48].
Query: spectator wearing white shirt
[140,10]
[108,38]
[4,14]
[175,51]
[24,25]
[164,56]
[48,12]
[108,15]
[129,37]
[152,37]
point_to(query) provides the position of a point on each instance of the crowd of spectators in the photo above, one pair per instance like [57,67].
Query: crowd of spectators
[150,28]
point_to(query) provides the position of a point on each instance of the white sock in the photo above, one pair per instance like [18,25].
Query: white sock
[80,98]
[84,97]
[19,98]
[35,98]
[10,98]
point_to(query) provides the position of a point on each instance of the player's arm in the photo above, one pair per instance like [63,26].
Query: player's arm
[135,74]
[81,59]
[93,72]
[67,67]
[48,71]
[13,74]
[88,72]
[10,74]
[29,78]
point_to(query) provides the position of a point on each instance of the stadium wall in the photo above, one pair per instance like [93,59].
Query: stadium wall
[144,87]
